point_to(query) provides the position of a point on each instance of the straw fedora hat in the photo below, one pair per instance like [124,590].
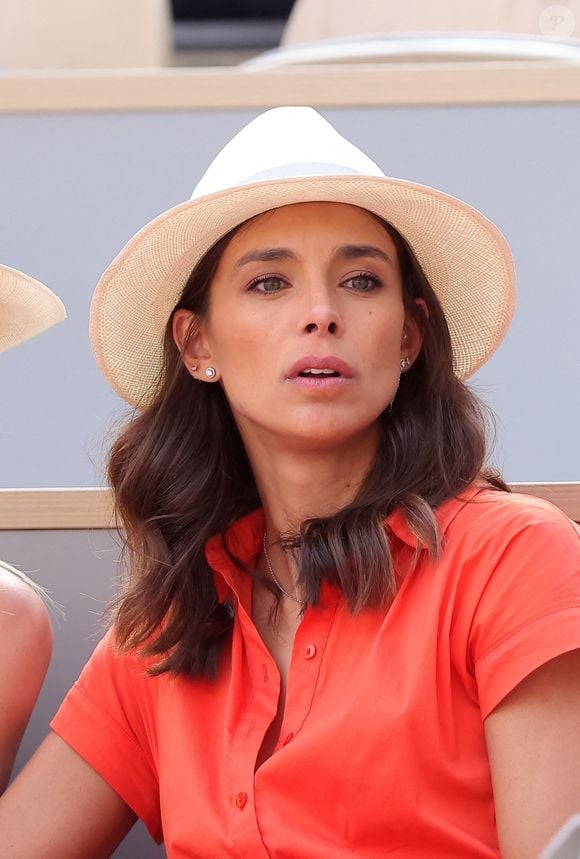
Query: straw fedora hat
[27,307]
[292,155]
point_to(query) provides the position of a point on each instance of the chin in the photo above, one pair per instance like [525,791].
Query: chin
[324,433]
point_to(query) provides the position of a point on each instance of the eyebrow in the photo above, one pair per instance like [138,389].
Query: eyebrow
[346,252]
[359,251]
[266,255]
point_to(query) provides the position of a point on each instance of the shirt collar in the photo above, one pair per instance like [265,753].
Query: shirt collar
[445,514]
[244,541]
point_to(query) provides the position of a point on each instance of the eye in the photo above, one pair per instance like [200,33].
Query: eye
[267,284]
[364,281]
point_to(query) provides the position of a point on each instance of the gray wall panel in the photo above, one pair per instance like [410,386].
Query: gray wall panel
[75,187]
[79,568]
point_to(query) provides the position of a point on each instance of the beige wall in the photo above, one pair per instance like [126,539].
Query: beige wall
[61,34]
[313,20]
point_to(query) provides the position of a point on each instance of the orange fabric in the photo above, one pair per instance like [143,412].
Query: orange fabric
[382,749]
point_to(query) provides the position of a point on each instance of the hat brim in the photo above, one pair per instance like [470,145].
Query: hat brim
[27,307]
[465,257]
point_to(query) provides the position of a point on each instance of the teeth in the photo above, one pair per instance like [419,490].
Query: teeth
[319,372]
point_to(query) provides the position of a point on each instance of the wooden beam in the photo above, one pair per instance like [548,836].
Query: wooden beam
[63,509]
[59,509]
[362,85]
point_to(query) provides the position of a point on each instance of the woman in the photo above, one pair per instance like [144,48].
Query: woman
[27,307]
[340,637]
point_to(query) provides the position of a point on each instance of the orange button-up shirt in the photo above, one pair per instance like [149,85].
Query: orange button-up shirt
[382,749]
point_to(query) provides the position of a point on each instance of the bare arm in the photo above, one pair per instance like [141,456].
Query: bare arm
[25,649]
[533,740]
[59,806]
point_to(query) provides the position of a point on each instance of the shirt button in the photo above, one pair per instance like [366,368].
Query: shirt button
[241,799]
[288,738]
[310,651]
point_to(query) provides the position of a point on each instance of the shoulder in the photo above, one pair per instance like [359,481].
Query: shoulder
[114,695]
[122,674]
[514,561]
[512,548]
[510,561]
[24,619]
[25,648]
[492,517]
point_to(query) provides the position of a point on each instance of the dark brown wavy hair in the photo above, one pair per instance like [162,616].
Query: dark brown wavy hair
[180,474]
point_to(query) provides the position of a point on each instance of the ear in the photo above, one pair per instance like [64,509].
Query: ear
[191,342]
[412,339]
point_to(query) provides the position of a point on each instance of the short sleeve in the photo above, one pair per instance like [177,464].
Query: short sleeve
[106,719]
[529,609]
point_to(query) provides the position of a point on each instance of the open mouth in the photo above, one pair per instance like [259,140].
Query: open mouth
[321,370]
[312,373]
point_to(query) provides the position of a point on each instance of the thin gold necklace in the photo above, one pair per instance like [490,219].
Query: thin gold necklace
[275,580]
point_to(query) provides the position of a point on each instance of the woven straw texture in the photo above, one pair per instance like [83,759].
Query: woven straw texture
[464,256]
[27,307]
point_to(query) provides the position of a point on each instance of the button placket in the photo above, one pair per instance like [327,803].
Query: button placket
[260,709]
[309,645]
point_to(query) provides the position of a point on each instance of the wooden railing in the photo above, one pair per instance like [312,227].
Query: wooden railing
[62,509]
[364,85]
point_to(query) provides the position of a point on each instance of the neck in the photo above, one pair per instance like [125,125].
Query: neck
[295,485]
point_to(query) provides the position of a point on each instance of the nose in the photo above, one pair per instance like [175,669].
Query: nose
[313,327]
[322,317]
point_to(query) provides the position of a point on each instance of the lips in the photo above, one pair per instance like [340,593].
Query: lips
[320,367]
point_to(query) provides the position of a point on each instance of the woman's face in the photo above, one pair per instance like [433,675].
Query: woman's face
[306,326]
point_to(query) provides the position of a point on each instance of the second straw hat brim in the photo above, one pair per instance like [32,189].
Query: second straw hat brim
[464,256]
[27,307]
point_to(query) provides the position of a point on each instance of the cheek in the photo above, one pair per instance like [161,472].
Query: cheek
[381,343]
[247,343]
[243,360]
